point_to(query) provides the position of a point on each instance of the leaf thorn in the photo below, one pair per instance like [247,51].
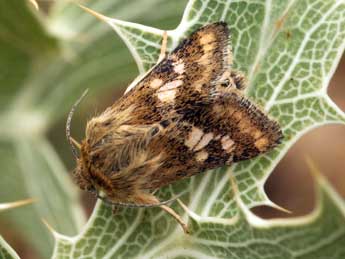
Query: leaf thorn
[313,168]
[99,16]
[16,204]
[49,227]
[278,207]
[35,4]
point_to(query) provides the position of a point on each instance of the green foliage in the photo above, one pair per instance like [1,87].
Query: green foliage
[6,252]
[150,234]
[26,156]
[288,50]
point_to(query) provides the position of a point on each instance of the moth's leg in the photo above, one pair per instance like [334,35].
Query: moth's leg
[146,198]
[163,47]
[176,217]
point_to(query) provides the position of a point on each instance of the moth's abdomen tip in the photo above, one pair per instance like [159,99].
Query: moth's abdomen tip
[274,135]
[222,24]
[217,26]
[279,135]
[276,139]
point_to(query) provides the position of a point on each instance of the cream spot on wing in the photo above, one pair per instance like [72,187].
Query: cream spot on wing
[171,85]
[201,156]
[207,38]
[204,141]
[261,143]
[245,125]
[179,68]
[227,144]
[217,137]
[256,134]
[167,96]
[155,83]
[205,61]
[208,47]
[208,42]
[194,137]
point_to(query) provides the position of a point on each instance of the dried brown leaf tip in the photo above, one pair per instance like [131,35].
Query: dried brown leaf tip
[187,115]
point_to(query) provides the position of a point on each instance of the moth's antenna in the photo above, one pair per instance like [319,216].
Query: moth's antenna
[133,205]
[71,140]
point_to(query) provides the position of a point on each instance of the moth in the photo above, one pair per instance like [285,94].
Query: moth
[188,114]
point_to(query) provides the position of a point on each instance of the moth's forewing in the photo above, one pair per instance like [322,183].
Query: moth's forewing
[184,117]
[197,62]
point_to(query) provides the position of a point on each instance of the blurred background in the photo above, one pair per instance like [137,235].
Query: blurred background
[290,185]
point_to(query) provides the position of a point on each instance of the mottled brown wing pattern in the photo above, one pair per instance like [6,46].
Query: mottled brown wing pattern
[186,116]
[230,129]
[200,59]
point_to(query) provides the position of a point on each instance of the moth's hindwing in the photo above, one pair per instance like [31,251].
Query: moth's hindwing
[186,116]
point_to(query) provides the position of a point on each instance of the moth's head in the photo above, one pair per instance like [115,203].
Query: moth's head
[80,174]
[81,177]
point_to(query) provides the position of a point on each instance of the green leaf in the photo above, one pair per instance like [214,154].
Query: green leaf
[56,197]
[141,233]
[26,220]
[289,50]
[26,158]
[6,251]
[86,45]
[31,168]
[18,47]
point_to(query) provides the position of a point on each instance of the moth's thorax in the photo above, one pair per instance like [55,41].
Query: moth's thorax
[96,129]
[102,156]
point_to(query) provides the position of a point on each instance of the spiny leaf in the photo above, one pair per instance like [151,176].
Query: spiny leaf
[25,46]
[36,156]
[147,234]
[31,168]
[85,45]
[19,49]
[289,50]
[6,251]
